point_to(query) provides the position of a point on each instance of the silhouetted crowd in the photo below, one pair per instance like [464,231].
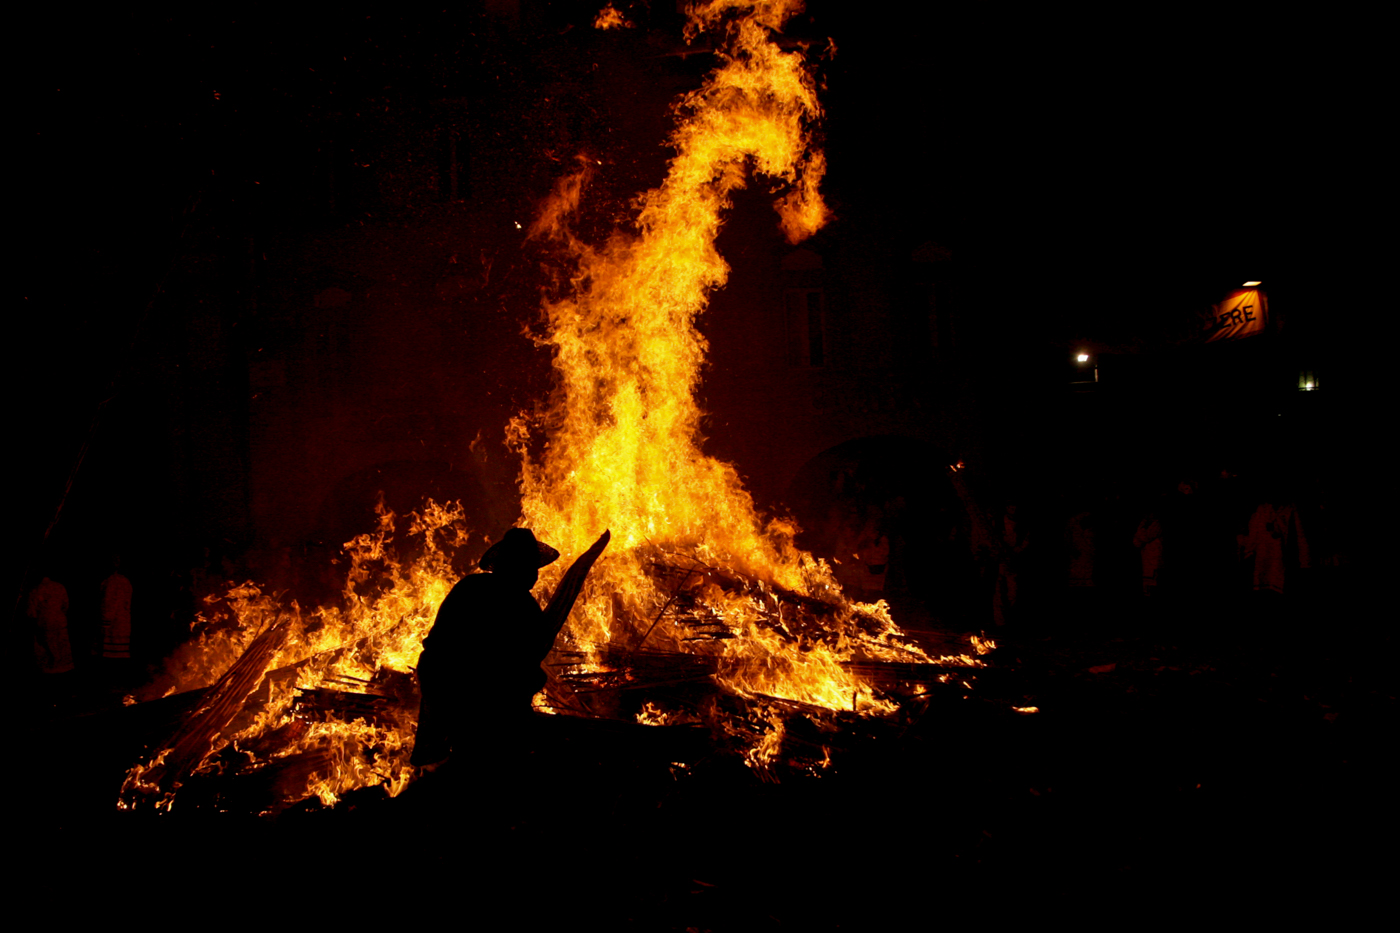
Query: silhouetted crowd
[1201,555]
[1214,553]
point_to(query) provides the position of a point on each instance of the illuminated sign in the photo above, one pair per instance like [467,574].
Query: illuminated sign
[1244,313]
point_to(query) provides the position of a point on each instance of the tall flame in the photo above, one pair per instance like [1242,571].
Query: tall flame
[622,449]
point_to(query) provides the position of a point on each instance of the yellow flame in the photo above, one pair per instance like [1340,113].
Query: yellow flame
[622,450]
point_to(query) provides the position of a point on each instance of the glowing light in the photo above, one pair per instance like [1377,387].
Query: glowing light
[1252,283]
[1082,357]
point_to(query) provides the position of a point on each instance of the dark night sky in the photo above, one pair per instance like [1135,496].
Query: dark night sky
[1099,173]
[1147,157]
[1158,150]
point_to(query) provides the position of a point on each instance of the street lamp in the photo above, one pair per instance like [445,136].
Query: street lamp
[1085,369]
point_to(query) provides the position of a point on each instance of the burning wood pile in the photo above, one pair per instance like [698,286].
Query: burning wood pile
[700,614]
[596,683]
[262,738]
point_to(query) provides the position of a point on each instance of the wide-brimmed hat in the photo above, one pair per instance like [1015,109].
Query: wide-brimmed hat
[518,547]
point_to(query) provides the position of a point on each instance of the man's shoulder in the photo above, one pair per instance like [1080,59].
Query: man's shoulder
[478,584]
[476,589]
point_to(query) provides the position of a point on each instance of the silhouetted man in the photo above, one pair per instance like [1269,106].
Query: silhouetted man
[481,662]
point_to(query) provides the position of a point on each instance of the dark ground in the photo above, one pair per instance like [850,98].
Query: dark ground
[1175,767]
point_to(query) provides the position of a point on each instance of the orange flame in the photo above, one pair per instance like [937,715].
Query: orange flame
[622,449]
[387,608]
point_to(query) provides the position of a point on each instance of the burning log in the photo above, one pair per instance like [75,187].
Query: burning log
[634,670]
[283,737]
[320,703]
[887,673]
[194,740]
[331,733]
[791,614]
[614,681]
[286,779]
[234,780]
[389,697]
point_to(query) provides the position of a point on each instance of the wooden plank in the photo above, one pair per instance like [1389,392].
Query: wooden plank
[184,751]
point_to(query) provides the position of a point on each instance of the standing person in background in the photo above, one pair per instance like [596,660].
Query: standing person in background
[1012,542]
[871,557]
[995,546]
[47,612]
[116,613]
[1184,574]
[1275,549]
[1081,538]
[1275,545]
[1148,540]
[1224,512]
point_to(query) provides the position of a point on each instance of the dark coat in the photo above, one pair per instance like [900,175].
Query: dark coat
[480,664]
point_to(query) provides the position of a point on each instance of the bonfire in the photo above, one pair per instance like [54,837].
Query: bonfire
[701,613]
